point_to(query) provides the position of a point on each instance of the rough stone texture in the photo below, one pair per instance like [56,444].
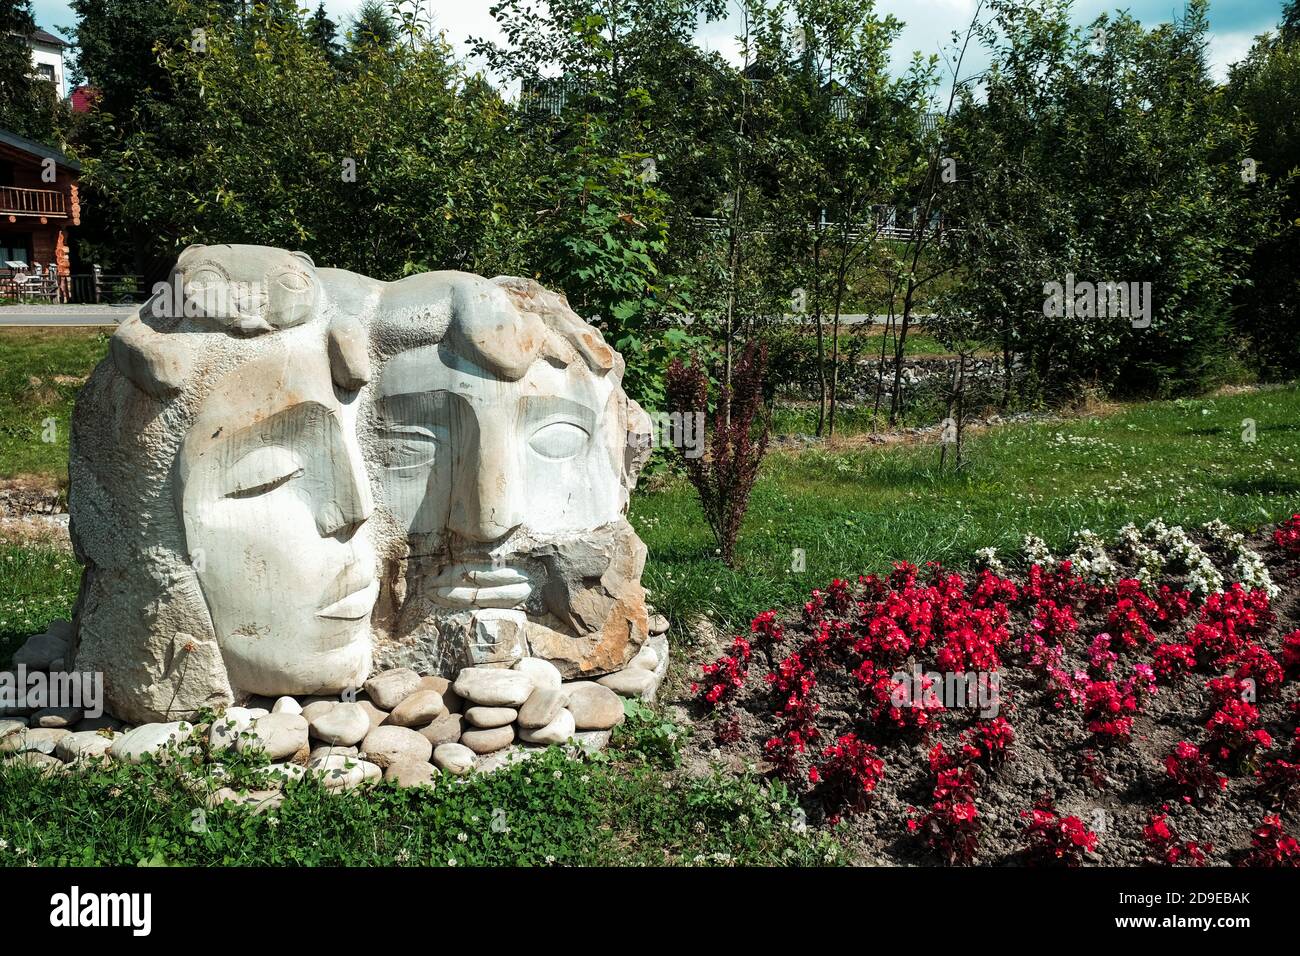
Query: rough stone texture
[445,730]
[255,370]
[486,741]
[557,731]
[410,773]
[388,745]
[344,725]
[281,736]
[542,707]
[594,707]
[42,650]
[454,758]
[485,718]
[418,709]
[493,687]
[160,740]
[390,688]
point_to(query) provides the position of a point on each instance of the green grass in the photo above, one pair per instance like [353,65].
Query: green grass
[610,809]
[860,510]
[37,408]
[37,585]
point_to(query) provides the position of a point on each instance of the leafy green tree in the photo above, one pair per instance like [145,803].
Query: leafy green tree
[29,106]
[1264,89]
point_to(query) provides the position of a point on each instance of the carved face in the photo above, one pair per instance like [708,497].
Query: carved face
[476,466]
[272,496]
[247,288]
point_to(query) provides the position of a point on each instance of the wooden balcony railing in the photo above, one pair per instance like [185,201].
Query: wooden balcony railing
[50,203]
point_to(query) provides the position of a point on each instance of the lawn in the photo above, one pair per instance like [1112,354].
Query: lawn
[846,509]
[40,372]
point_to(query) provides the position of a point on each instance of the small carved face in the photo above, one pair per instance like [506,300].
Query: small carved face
[470,461]
[248,289]
[273,496]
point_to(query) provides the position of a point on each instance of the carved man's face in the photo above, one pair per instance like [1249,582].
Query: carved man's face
[476,467]
[272,496]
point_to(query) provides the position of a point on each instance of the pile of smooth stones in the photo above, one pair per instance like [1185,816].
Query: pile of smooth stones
[400,726]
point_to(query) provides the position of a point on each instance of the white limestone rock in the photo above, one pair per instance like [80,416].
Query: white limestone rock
[558,731]
[162,741]
[344,724]
[494,687]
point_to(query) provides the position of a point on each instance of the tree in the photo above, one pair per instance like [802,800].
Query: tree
[324,33]
[29,106]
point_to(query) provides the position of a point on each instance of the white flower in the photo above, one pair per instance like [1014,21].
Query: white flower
[1036,551]
[462,836]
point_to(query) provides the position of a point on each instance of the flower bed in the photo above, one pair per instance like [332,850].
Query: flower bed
[1129,704]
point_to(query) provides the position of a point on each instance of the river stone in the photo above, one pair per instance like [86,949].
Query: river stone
[450,699]
[646,659]
[544,673]
[557,731]
[63,717]
[411,773]
[486,741]
[34,758]
[418,710]
[40,651]
[485,718]
[390,688]
[225,730]
[281,736]
[12,726]
[658,625]
[389,745]
[81,745]
[594,706]
[445,730]
[632,682]
[330,751]
[542,707]
[286,705]
[493,686]
[156,739]
[377,716]
[254,713]
[454,758]
[344,724]
[592,741]
[37,739]
[317,707]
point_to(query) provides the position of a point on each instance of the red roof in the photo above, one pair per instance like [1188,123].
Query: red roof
[83,98]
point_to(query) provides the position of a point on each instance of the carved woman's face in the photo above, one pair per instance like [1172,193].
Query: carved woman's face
[472,463]
[273,496]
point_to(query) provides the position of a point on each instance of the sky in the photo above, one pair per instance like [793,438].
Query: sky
[1233,23]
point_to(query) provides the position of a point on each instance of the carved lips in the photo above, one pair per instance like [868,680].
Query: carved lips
[351,595]
[480,584]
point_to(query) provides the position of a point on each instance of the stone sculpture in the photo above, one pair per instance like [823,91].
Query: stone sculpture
[284,477]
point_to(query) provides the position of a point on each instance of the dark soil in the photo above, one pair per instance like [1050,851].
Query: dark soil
[1113,789]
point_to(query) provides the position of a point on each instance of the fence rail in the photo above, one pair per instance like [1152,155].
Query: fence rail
[91,288]
[33,202]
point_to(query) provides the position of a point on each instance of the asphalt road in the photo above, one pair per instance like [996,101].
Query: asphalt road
[63,316]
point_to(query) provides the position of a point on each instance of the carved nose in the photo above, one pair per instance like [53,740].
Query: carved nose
[486,491]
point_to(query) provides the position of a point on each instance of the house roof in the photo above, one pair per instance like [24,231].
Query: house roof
[39,150]
[45,36]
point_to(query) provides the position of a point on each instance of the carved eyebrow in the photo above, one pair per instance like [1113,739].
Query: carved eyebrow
[407,407]
[537,407]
